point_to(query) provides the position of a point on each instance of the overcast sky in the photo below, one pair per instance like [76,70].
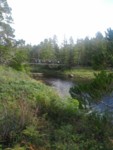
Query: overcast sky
[35,20]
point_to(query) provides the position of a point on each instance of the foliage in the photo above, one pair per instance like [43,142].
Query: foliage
[22,99]
[83,74]
[5,54]
[33,116]
[99,87]
[6,31]
[18,100]
[96,52]
[10,49]
[20,59]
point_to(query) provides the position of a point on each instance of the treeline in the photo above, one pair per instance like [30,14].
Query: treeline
[96,52]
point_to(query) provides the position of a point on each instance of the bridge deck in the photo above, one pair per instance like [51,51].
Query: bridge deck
[51,64]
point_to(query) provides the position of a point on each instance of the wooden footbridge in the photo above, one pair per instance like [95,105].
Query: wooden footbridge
[50,65]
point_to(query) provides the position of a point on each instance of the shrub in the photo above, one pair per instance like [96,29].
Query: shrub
[100,86]
[33,116]
[19,60]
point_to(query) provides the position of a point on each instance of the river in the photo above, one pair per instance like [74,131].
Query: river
[60,85]
[63,86]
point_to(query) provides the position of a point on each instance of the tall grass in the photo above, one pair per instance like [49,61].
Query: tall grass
[33,116]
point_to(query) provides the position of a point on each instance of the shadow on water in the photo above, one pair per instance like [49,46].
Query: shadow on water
[105,105]
[63,86]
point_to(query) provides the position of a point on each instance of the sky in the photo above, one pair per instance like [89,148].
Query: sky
[35,20]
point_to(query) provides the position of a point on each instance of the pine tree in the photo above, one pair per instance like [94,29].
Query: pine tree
[6,31]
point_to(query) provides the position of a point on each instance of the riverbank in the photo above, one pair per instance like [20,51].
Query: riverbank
[33,116]
[76,74]
[80,74]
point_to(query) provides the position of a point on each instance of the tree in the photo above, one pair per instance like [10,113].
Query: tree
[87,52]
[65,52]
[80,51]
[56,48]
[99,36]
[109,38]
[99,52]
[6,32]
[20,43]
[71,53]
[19,59]
[109,34]
[47,50]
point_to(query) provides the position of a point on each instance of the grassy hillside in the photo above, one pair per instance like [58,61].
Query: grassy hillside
[34,117]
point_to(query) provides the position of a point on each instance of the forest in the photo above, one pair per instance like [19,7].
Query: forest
[95,52]
[32,114]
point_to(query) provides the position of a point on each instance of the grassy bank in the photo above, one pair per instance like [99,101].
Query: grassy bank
[33,116]
[78,74]
[81,73]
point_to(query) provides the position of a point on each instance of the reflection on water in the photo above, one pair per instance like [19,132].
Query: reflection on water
[61,86]
[106,104]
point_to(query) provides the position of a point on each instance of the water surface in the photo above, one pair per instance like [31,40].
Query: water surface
[60,85]
[63,86]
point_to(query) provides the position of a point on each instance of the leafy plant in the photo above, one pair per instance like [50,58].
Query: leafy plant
[19,60]
[100,86]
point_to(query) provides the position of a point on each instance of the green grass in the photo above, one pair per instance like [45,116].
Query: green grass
[33,116]
[84,72]
[81,73]
[24,101]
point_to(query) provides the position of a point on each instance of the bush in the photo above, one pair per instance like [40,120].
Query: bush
[20,60]
[99,87]
[33,116]
[20,98]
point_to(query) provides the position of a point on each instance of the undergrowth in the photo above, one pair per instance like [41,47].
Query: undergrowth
[34,117]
